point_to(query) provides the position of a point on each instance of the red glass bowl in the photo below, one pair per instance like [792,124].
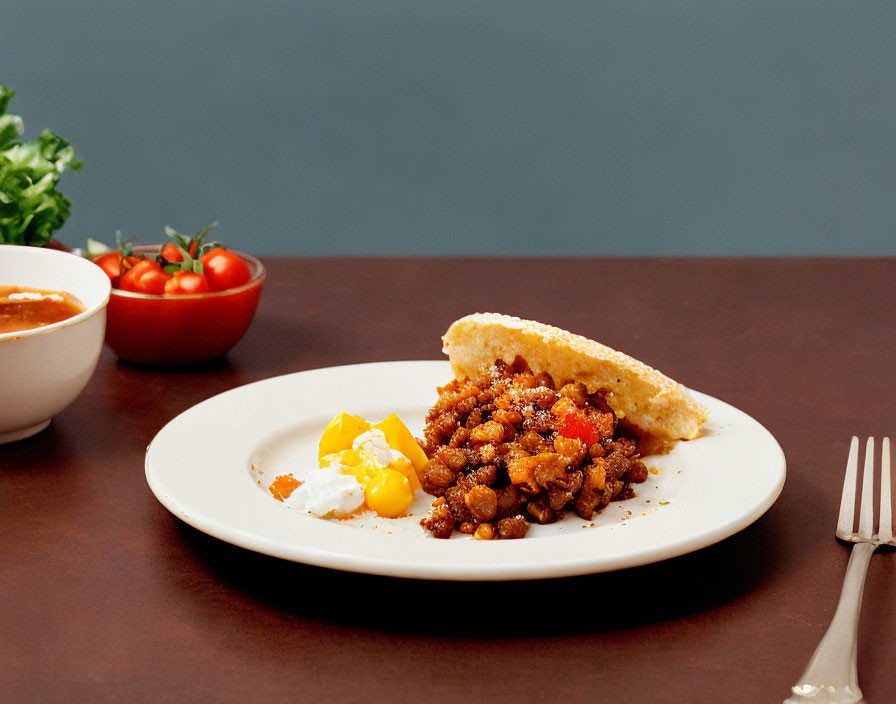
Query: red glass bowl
[169,330]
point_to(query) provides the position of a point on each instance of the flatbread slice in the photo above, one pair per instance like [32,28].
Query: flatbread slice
[650,403]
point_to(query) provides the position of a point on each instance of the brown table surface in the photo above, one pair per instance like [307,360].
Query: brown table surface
[105,596]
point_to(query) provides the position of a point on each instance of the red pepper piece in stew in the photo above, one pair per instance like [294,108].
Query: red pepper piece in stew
[575,426]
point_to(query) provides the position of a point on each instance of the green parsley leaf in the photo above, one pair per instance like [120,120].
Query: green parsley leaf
[31,208]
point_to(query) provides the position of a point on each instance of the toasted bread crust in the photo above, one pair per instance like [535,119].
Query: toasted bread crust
[653,404]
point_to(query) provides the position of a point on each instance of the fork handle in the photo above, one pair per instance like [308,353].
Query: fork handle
[831,676]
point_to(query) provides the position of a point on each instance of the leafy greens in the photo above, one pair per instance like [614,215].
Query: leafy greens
[31,208]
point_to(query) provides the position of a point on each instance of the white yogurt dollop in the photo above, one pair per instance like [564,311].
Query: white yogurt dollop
[374,442]
[327,493]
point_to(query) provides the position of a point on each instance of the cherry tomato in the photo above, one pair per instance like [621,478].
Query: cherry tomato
[224,269]
[111,263]
[171,253]
[146,276]
[187,282]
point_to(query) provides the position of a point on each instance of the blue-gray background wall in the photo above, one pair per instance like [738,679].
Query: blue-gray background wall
[470,127]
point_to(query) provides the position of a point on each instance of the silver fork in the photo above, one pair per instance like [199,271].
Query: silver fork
[831,676]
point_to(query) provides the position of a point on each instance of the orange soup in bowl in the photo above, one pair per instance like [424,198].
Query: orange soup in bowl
[25,308]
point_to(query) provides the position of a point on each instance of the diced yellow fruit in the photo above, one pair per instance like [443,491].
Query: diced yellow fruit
[344,457]
[388,493]
[407,469]
[350,458]
[400,438]
[362,466]
[338,435]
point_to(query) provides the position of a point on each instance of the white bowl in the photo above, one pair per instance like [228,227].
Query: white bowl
[44,369]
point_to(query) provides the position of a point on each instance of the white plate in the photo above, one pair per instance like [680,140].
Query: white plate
[211,467]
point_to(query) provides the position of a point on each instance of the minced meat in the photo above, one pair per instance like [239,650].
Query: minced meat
[512,448]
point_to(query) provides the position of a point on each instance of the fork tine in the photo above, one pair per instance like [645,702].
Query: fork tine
[885,532]
[866,508]
[848,496]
